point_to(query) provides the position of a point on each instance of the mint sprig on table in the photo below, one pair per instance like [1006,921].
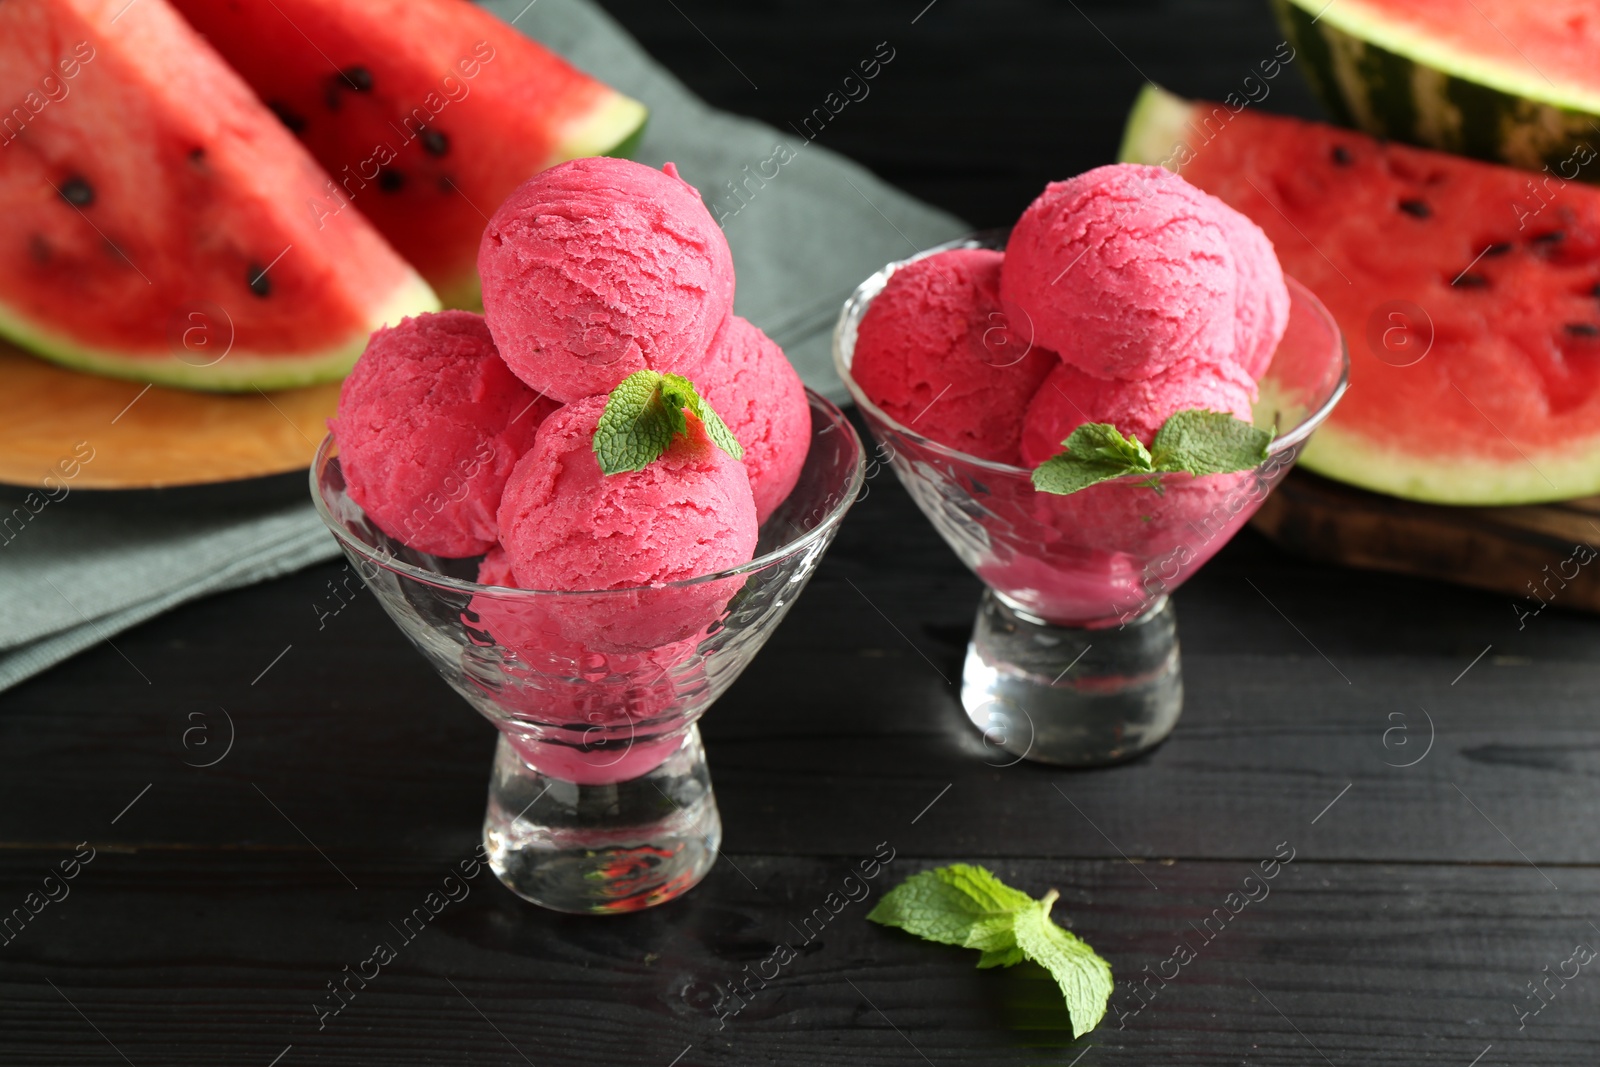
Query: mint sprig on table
[1193,442]
[645,413]
[968,906]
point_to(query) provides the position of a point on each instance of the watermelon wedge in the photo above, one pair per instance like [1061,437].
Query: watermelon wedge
[1509,80]
[427,113]
[1471,313]
[152,219]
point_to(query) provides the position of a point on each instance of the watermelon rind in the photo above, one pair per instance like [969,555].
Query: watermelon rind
[1543,477]
[1157,128]
[627,148]
[613,127]
[235,372]
[1392,81]
[1157,134]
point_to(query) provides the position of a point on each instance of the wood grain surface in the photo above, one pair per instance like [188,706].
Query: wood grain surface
[139,438]
[223,898]
[1538,554]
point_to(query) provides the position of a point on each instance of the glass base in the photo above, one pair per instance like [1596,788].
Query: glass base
[1071,696]
[606,848]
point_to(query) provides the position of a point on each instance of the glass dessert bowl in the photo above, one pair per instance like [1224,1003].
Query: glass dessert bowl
[1074,655]
[600,799]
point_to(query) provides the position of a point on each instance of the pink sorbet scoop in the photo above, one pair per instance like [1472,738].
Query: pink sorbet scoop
[1126,270]
[567,526]
[598,268]
[1069,398]
[751,385]
[938,355]
[430,423]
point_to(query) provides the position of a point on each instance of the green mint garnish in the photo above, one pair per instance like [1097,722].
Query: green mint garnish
[1192,442]
[645,413]
[1209,442]
[1095,453]
[968,906]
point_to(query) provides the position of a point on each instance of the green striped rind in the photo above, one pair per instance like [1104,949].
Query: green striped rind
[611,127]
[1163,130]
[1392,82]
[236,372]
[630,145]
[1540,477]
[1157,133]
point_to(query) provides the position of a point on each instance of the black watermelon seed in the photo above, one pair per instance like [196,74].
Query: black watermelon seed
[77,192]
[391,181]
[1498,249]
[1550,238]
[357,78]
[1342,156]
[1416,209]
[255,276]
[39,248]
[435,143]
[294,122]
[1596,290]
[1471,281]
[1583,329]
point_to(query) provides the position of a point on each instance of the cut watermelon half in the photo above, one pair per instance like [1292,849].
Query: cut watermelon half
[152,218]
[1473,326]
[427,113]
[1512,80]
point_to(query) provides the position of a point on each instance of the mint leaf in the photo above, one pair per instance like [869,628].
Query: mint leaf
[968,906]
[681,392]
[636,427]
[1084,978]
[1209,442]
[1001,958]
[945,905]
[1095,453]
[642,416]
[1193,442]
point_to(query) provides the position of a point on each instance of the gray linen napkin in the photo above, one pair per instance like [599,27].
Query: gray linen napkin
[805,226]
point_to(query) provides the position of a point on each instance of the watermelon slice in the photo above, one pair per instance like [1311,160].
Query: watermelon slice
[152,218]
[1471,313]
[1512,80]
[427,113]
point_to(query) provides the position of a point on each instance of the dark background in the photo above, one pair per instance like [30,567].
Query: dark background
[1405,931]
[984,102]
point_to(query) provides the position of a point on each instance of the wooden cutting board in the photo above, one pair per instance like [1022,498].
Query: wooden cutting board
[135,437]
[1536,554]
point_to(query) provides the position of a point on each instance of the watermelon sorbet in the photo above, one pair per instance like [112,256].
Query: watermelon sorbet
[936,354]
[599,596]
[565,525]
[1128,270]
[601,267]
[429,425]
[756,392]
[1130,296]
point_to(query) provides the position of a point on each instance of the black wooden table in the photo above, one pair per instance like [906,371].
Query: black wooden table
[1433,770]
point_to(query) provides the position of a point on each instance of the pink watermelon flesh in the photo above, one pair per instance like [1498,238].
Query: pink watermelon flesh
[142,185]
[427,113]
[1417,251]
